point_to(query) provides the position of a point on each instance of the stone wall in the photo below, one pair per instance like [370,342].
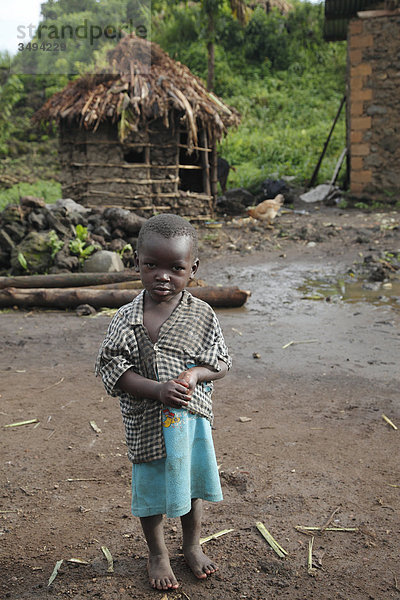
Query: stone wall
[373,107]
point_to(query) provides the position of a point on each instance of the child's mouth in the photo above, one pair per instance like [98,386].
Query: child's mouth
[162,291]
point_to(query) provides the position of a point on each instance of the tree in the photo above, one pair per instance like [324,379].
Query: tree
[212,9]
[11,91]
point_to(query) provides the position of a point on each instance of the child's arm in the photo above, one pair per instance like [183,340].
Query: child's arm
[173,393]
[196,375]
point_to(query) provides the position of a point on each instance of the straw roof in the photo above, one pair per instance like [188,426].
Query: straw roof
[141,83]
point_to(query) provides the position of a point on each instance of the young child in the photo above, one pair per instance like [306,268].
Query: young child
[160,356]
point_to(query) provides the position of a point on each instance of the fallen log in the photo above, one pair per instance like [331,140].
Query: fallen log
[67,280]
[120,285]
[218,297]
[137,284]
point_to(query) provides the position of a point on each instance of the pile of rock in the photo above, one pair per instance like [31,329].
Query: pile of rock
[35,237]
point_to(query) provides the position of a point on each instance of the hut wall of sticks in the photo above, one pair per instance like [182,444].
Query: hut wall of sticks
[142,134]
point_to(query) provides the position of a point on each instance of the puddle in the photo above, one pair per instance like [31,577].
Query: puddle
[279,289]
[348,289]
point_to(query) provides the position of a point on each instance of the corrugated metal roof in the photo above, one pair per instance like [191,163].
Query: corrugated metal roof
[335,30]
[338,13]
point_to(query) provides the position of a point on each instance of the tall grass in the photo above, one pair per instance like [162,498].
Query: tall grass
[286,119]
[49,190]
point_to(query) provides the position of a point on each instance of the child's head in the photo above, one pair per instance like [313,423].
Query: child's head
[169,226]
[166,256]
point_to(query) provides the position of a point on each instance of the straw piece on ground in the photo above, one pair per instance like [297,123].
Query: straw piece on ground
[83,479]
[109,558]
[78,561]
[329,520]
[95,427]
[215,535]
[53,385]
[389,422]
[293,342]
[271,541]
[55,571]
[309,530]
[29,422]
[310,569]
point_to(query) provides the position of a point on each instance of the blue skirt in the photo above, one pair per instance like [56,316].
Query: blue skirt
[167,486]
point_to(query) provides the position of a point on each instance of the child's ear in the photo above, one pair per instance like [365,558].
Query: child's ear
[194,268]
[136,261]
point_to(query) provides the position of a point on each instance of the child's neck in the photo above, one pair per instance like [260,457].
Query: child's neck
[156,313]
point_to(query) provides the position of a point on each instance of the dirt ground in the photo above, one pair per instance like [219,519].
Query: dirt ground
[299,432]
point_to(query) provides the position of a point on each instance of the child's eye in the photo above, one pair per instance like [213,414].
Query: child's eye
[176,268]
[149,265]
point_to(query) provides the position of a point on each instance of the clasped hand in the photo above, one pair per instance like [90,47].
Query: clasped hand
[177,392]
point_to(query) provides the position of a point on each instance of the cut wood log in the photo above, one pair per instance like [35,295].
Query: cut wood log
[120,285]
[66,280]
[62,298]
[137,285]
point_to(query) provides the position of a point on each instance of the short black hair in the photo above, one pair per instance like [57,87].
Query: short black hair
[169,226]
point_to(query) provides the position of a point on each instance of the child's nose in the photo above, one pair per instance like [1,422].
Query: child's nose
[162,275]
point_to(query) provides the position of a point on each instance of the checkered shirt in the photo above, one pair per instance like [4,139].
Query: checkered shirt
[190,336]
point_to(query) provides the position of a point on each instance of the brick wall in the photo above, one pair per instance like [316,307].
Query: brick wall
[373,107]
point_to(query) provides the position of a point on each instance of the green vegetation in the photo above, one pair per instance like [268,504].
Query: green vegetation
[284,79]
[49,190]
[55,244]
[22,261]
[277,70]
[79,245]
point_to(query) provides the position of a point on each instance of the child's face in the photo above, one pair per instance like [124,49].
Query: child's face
[165,265]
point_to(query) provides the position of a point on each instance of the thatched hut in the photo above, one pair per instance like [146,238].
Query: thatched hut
[142,135]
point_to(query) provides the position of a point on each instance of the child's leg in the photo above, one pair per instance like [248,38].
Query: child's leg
[200,564]
[160,573]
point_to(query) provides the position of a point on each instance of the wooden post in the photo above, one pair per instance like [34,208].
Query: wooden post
[316,170]
[205,164]
[147,160]
[214,174]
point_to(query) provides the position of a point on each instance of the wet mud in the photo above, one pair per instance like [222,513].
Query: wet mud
[299,436]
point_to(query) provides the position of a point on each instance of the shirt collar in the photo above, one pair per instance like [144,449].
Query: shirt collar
[137,306]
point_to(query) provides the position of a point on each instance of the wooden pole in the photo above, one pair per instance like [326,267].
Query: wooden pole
[214,175]
[205,165]
[316,170]
[66,280]
[218,297]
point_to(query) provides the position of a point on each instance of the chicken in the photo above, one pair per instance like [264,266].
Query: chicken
[267,210]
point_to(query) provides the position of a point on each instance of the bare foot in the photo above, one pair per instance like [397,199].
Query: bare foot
[161,575]
[200,564]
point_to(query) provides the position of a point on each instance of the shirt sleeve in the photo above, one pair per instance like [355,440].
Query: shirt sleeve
[216,350]
[118,353]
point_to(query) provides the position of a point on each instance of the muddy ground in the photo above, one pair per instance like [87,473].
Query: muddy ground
[299,432]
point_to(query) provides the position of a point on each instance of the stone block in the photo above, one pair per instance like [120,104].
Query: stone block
[355,27]
[361,123]
[363,177]
[356,188]
[361,41]
[362,70]
[361,95]
[356,137]
[357,163]
[355,56]
[360,149]
[103,261]
[357,109]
